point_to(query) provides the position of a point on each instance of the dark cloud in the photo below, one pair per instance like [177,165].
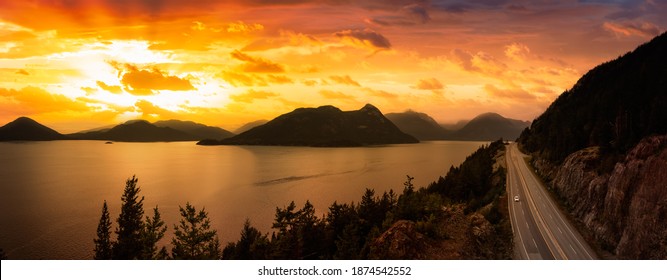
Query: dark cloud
[366,38]
[417,12]
[406,16]
[456,8]
[257,64]
[491,3]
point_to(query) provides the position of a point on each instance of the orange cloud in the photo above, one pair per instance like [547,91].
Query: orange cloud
[512,93]
[345,80]
[242,27]
[33,100]
[480,62]
[88,90]
[516,51]
[145,81]
[256,64]
[22,72]
[429,84]
[151,111]
[19,42]
[238,79]
[643,29]
[310,83]
[330,94]
[300,39]
[112,89]
[381,93]
[366,38]
[279,79]
[292,104]
[251,96]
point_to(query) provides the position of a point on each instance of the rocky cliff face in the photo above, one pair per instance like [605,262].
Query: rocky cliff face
[626,209]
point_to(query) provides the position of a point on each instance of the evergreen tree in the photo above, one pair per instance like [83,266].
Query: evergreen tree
[194,238]
[152,231]
[310,232]
[129,244]
[285,243]
[349,243]
[103,243]
[252,245]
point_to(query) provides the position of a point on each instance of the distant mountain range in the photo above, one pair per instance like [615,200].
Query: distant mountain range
[26,129]
[248,126]
[322,126]
[198,130]
[489,127]
[419,125]
[485,127]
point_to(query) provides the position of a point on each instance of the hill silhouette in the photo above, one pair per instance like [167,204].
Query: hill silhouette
[200,131]
[322,126]
[485,127]
[419,125]
[26,129]
[249,126]
[136,131]
[612,106]
[489,127]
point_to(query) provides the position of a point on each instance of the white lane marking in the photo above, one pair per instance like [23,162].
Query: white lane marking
[567,225]
[542,226]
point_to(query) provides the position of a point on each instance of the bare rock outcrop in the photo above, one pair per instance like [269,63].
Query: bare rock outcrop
[401,241]
[625,209]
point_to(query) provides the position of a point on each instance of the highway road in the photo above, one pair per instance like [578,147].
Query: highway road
[541,230]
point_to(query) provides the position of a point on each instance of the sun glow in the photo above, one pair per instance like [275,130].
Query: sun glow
[224,64]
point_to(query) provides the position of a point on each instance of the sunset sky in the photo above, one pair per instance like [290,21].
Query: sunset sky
[79,64]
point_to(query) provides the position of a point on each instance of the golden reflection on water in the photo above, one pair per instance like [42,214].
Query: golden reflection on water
[52,192]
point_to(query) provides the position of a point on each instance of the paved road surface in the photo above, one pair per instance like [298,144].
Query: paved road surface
[541,230]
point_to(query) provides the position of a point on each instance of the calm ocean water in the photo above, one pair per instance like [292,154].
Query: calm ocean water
[51,193]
